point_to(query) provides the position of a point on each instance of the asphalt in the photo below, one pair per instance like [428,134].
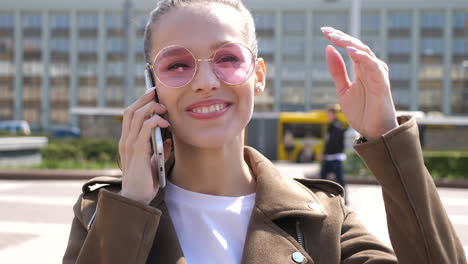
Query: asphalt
[290,169]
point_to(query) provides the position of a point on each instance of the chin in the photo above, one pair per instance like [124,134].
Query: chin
[209,140]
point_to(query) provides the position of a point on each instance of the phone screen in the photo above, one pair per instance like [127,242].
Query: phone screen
[157,134]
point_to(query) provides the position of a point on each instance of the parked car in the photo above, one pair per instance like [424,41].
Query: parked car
[15,127]
[65,132]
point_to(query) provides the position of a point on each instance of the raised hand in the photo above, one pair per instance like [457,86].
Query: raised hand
[367,101]
[140,179]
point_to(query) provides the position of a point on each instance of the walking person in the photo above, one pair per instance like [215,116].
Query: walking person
[225,202]
[333,153]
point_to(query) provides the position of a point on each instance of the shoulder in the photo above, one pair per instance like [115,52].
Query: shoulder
[318,185]
[85,207]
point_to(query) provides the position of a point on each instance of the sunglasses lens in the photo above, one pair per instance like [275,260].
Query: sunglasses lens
[233,63]
[175,66]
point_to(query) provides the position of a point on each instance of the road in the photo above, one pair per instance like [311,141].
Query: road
[35,217]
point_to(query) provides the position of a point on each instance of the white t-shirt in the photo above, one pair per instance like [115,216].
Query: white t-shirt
[211,229]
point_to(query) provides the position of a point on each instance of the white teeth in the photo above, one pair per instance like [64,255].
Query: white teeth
[210,109]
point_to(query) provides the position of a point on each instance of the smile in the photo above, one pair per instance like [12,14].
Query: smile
[209,109]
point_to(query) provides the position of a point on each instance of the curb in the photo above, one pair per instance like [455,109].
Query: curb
[56,174]
[88,174]
[369,180]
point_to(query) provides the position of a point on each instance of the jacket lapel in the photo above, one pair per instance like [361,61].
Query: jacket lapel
[277,197]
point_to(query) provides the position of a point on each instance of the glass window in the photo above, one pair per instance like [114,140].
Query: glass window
[401,46]
[32,44]
[6,21]
[114,21]
[294,22]
[399,21]
[59,45]
[32,21]
[87,45]
[6,69]
[6,44]
[115,69]
[370,23]
[460,46]
[88,21]
[33,68]
[264,21]
[58,69]
[432,20]
[399,71]
[114,45]
[141,20]
[460,20]
[59,21]
[337,20]
[432,46]
[431,71]
[318,46]
[293,46]
[86,69]
[266,46]
[293,70]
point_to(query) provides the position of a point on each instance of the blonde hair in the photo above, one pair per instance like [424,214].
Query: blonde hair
[165,6]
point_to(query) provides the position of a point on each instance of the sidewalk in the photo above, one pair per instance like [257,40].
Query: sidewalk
[294,170]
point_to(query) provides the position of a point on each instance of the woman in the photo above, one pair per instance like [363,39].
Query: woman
[226,203]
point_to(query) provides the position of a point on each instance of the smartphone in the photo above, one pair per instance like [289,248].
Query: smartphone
[156,133]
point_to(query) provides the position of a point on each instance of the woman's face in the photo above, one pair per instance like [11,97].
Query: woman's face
[206,112]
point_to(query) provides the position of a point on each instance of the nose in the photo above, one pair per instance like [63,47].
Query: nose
[205,79]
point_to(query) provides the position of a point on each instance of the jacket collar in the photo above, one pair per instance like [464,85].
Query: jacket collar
[279,196]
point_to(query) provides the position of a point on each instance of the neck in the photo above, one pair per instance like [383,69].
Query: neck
[220,171]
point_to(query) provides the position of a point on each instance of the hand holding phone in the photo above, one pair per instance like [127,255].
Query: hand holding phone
[156,135]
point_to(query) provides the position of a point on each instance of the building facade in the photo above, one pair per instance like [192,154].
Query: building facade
[60,55]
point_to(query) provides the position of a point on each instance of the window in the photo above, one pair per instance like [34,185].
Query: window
[293,47]
[6,21]
[87,69]
[88,21]
[399,71]
[114,45]
[115,69]
[266,46]
[432,21]
[59,45]
[400,46]
[114,21]
[370,23]
[294,23]
[32,21]
[432,46]
[32,44]
[460,20]
[399,21]
[59,21]
[87,45]
[337,20]
[293,70]
[460,46]
[264,21]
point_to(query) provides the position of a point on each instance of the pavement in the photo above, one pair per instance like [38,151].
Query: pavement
[37,213]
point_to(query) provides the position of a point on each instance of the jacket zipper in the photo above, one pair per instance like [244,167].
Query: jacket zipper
[300,238]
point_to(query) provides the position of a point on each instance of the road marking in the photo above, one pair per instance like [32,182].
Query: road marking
[51,200]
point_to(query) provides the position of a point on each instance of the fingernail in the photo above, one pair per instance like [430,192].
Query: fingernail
[335,36]
[163,106]
[352,49]
[327,29]
[150,90]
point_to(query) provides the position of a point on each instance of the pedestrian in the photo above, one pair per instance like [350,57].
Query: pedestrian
[225,202]
[333,152]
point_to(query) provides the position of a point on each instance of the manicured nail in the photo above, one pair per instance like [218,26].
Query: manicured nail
[327,29]
[150,90]
[335,36]
[352,49]
[163,106]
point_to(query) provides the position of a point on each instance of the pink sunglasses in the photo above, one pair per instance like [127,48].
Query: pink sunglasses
[175,66]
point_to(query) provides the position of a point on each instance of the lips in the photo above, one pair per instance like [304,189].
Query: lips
[208,109]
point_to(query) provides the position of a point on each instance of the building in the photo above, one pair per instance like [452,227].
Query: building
[61,55]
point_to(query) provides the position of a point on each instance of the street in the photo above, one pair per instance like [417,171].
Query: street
[35,218]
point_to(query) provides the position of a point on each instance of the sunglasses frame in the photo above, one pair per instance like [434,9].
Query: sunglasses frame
[209,59]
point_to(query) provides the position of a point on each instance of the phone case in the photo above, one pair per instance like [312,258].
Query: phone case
[156,134]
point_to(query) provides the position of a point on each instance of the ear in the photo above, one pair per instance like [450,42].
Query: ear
[260,74]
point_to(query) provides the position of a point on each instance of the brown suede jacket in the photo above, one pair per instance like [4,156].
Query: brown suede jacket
[126,231]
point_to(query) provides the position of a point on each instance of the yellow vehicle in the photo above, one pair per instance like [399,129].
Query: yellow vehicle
[299,129]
